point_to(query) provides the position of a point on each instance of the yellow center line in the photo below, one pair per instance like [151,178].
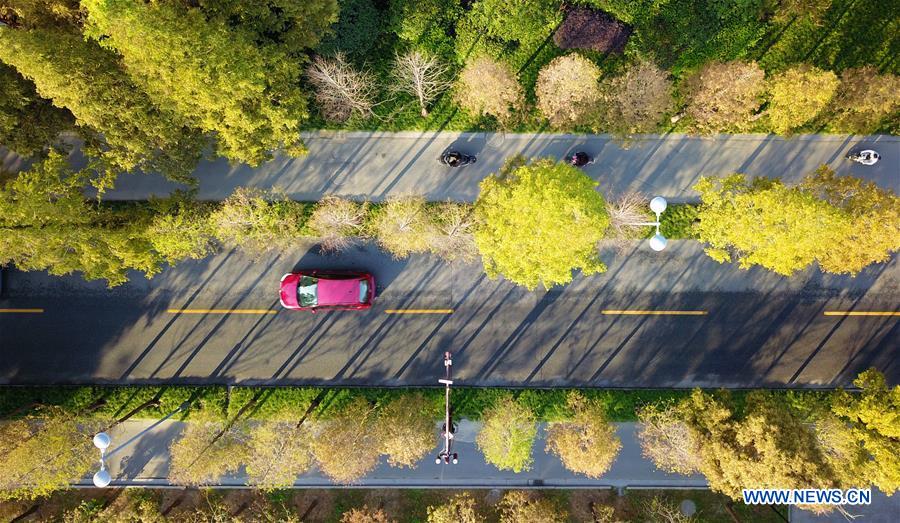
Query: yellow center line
[418,311]
[861,313]
[221,311]
[22,311]
[653,313]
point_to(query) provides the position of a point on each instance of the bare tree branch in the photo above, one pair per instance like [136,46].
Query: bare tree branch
[421,75]
[341,90]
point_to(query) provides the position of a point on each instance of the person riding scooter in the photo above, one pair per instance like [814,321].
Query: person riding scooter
[866,157]
[456,159]
[580,159]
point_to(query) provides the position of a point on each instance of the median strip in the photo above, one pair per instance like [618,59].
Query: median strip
[652,313]
[861,313]
[22,311]
[418,311]
[221,311]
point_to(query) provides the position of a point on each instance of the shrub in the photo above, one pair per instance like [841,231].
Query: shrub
[636,101]
[567,91]
[257,221]
[539,222]
[336,221]
[406,430]
[677,222]
[722,96]
[798,95]
[587,443]
[585,28]
[489,87]
[402,227]
[864,99]
[625,210]
[507,435]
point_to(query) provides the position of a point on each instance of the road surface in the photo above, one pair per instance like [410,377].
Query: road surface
[670,319]
[378,165]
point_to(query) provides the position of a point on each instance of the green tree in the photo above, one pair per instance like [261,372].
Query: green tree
[46,224]
[406,430]
[43,453]
[587,443]
[798,95]
[28,123]
[538,222]
[844,224]
[213,75]
[402,226]
[88,81]
[870,426]
[507,435]
[426,24]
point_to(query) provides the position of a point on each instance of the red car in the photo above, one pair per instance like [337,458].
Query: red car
[327,290]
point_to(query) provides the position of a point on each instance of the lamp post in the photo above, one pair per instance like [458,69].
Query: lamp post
[446,456]
[658,242]
[102,441]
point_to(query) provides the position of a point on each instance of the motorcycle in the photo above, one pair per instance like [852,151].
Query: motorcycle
[580,159]
[456,159]
[866,157]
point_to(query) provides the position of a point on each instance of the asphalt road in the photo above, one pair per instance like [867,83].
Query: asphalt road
[377,165]
[688,321]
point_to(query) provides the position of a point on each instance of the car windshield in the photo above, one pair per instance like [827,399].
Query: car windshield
[363,291]
[307,291]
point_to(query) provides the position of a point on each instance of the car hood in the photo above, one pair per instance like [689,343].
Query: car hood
[289,290]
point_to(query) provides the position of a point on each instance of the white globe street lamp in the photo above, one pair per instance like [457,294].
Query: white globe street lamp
[658,205]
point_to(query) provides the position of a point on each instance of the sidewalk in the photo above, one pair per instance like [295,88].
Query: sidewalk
[146,463]
[376,165]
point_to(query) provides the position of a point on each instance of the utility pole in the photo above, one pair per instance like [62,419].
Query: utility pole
[447,431]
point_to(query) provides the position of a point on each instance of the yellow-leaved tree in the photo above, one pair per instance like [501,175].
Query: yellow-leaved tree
[538,222]
[587,443]
[842,223]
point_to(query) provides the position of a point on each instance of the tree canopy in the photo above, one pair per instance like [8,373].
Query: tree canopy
[539,222]
[842,223]
[799,94]
[587,443]
[88,81]
[214,75]
[507,435]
